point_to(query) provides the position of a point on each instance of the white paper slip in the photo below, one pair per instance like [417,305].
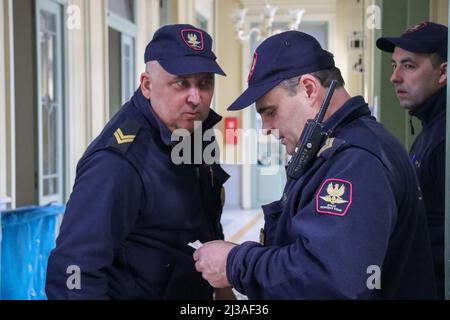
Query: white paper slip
[197,244]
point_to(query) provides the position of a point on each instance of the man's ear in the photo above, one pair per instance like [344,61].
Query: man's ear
[146,85]
[443,73]
[309,85]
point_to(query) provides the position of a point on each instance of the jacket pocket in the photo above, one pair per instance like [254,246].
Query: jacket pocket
[150,269]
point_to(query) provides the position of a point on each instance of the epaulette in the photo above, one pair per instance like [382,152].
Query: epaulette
[124,135]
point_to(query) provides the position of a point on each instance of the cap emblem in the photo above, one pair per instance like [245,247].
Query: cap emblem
[193,39]
[252,69]
[416,27]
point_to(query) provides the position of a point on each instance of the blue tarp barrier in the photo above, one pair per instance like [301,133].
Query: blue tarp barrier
[28,236]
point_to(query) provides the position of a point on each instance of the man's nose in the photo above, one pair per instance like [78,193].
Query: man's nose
[267,128]
[396,76]
[194,96]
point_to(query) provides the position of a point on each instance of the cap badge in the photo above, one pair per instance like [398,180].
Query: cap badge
[416,27]
[193,39]
[252,69]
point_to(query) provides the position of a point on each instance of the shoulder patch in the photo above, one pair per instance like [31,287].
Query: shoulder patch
[124,135]
[334,197]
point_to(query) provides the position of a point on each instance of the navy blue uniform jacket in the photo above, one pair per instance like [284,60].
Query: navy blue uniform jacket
[132,213]
[352,227]
[428,156]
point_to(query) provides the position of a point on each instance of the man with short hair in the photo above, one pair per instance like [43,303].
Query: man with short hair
[419,62]
[133,211]
[352,225]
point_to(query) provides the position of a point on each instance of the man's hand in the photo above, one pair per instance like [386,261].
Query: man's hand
[211,261]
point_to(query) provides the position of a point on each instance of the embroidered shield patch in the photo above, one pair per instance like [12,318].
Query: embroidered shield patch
[193,39]
[334,197]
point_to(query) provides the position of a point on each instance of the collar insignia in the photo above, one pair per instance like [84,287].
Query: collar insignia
[327,145]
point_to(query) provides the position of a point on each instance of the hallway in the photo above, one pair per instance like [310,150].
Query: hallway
[242,225]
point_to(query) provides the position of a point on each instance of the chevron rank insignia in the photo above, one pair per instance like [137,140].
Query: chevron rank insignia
[121,138]
[334,197]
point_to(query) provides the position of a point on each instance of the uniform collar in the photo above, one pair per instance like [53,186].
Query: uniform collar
[431,107]
[144,105]
[352,109]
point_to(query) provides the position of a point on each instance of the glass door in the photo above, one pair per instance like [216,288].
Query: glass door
[50,101]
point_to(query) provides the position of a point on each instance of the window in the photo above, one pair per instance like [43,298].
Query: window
[122,32]
[122,8]
[50,102]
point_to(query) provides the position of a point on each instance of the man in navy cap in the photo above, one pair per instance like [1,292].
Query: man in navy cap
[419,62]
[352,225]
[132,211]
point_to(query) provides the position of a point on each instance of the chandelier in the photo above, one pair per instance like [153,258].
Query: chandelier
[265,28]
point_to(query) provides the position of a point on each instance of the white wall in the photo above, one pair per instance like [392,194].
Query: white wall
[7,124]
[147,21]
[3,173]
[186,11]
[86,73]
[77,126]
[97,40]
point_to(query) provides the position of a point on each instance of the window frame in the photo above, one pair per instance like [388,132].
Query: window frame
[128,34]
[55,8]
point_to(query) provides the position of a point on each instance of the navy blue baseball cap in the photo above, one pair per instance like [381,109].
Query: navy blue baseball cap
[183,49]
[426,37]
[280,57]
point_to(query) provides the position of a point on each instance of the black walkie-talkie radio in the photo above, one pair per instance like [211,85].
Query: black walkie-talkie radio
[311,140]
